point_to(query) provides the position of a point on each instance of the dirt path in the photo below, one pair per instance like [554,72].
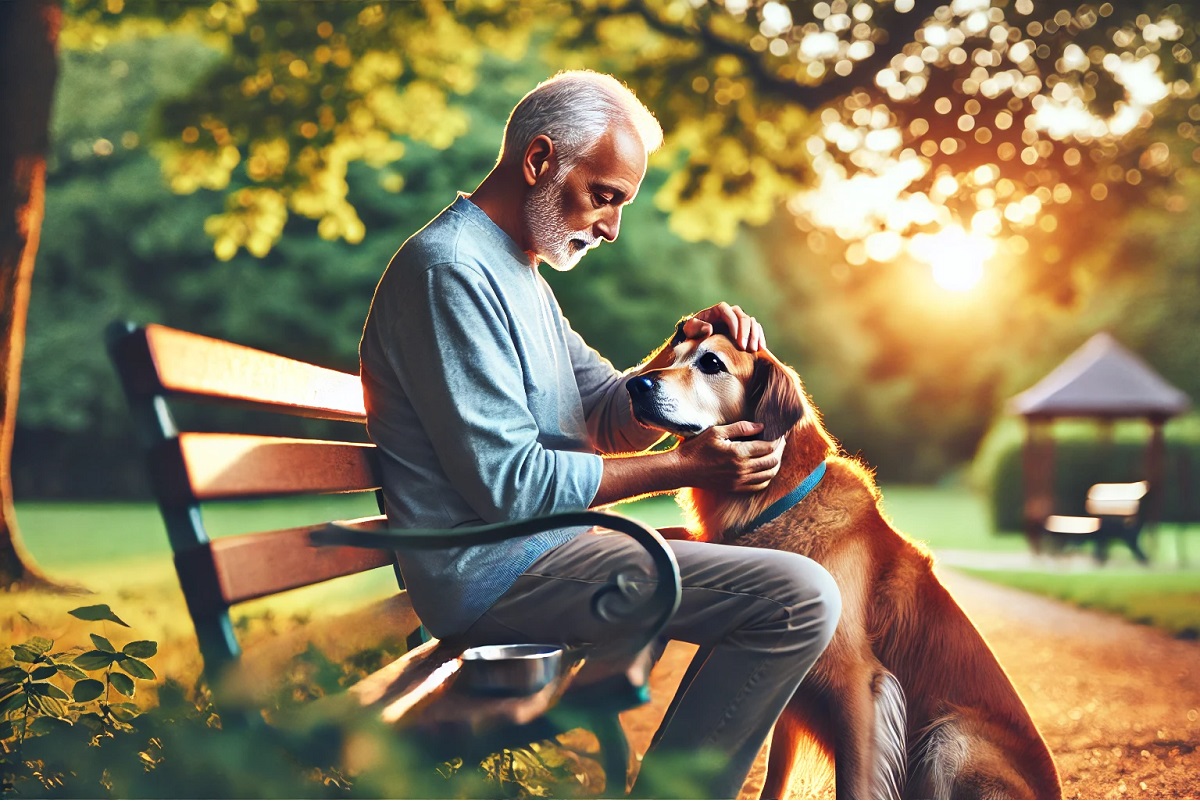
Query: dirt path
[1118,704]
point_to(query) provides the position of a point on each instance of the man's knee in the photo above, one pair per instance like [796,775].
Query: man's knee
[810,601]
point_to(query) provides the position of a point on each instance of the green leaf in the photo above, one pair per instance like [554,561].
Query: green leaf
[7,730]
[136,668]
[44,672]
[122,684]
[87,690]
[51,706]
[48,725]
[97,612]
[141,649]
[13,702]
[13,673]
[95,660]
[102,643]
[70,671]
[39,645]
[125,712]
[22,653]
[45,689]
[8,687]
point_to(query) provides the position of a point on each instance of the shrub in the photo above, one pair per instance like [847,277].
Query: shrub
[69,727]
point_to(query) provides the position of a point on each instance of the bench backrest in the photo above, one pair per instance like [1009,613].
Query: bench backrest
[157,365]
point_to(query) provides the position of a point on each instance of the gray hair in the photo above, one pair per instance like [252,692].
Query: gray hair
[575,109]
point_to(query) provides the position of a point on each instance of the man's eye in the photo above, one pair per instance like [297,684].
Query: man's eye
[710,364]
[602,199]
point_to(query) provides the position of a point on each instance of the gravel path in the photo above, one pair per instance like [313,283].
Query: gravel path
[1118,703]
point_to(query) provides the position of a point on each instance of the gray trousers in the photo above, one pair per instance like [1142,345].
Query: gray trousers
[760,617]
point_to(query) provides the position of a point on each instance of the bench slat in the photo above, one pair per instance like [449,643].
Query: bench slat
[250,566]
[182,363]
[209,467]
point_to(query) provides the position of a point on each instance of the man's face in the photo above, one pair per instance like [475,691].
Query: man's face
[568,215]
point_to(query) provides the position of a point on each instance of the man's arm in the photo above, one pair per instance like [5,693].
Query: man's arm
[714,459]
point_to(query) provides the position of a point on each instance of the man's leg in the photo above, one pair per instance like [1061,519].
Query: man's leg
[761,618]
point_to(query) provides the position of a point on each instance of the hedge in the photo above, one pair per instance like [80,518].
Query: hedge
[1081,459]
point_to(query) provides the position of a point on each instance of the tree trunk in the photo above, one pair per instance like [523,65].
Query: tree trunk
[29,64]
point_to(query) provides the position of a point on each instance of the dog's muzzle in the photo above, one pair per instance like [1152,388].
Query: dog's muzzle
[648,407]
[640,385]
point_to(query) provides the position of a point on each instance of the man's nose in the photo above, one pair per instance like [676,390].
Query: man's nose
[608,227]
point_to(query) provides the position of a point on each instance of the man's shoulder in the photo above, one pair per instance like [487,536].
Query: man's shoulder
[446,239]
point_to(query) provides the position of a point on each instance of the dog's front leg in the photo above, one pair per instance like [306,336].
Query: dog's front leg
[853,731]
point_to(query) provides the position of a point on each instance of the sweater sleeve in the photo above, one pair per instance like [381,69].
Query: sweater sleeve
[453,342]
[611,424]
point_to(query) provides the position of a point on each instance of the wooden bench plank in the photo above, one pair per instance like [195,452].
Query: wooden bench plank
[162,359]
[209,467]
[250,566]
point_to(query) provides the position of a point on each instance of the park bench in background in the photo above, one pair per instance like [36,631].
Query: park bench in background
[1115,512]
[418,693]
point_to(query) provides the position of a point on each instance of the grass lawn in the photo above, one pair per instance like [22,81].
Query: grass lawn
[120,551]
[1169,601]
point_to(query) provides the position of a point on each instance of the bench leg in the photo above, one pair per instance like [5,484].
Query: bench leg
[1138,553]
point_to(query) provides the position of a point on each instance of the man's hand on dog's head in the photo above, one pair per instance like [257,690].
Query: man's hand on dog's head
[744,330]
[720,459]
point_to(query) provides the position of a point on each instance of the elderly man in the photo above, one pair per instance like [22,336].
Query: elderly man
[487,406]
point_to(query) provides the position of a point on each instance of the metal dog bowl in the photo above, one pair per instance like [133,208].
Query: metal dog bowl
[510,669]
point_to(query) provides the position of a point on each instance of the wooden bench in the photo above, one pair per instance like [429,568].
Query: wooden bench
[418,694]
[1114,512]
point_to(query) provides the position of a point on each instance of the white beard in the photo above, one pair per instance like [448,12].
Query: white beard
[558,247]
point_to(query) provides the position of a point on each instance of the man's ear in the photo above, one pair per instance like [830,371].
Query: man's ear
[774,399]
[538,159]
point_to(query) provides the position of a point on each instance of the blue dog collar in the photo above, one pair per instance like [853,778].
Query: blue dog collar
[788,501]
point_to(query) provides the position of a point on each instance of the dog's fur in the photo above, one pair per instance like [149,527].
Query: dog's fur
[907,699]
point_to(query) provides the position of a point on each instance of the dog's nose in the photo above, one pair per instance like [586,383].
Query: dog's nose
[639,385]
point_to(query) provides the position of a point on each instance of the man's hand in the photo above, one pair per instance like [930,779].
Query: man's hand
[712,460]
[716,460]
[744,330]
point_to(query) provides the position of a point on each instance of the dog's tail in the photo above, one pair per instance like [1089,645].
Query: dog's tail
[888,774]
[938,756]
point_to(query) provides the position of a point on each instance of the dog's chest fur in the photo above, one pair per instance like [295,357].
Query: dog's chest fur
[813,527]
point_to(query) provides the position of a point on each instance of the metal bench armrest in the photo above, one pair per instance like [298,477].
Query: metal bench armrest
[614,602]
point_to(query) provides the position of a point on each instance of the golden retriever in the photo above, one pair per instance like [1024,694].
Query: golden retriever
[908,699]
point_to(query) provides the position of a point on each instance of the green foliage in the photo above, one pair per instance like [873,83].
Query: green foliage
[304,92]
[1033,109]
[63,733]
[906,374]
[44,694]
[1083,458]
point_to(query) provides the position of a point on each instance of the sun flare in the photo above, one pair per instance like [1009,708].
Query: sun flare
[955,257]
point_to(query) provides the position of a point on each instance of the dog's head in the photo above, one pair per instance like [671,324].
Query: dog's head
[710,382]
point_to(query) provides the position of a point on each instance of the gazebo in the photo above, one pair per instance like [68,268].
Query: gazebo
[1102,381]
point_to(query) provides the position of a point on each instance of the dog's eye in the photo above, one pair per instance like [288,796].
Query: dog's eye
[711,364]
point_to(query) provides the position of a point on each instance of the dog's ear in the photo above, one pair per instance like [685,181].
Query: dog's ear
[774,399]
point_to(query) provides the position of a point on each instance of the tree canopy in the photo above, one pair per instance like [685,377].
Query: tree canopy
[821,160]
[963,131]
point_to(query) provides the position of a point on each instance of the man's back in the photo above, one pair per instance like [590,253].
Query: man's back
[469,372]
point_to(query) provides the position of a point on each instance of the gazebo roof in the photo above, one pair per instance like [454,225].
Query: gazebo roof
[1102,379]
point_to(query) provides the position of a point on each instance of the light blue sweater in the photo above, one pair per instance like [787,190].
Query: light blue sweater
[485,405]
